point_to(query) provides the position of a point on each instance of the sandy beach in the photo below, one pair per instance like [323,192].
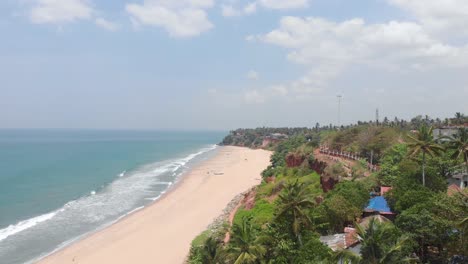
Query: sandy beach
[163,231]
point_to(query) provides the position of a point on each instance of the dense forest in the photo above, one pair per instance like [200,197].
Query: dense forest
[307,197]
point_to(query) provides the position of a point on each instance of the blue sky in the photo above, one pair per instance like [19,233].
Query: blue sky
[222,64]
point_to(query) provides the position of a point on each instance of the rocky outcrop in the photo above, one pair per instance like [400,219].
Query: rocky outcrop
[270,179]
[328,183]
[318,166]
[319,200]
[218,222]
[249,200]
[294,160]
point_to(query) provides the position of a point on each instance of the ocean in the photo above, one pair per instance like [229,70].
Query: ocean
[58,185]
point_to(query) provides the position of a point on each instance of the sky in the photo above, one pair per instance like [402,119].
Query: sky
[224,64]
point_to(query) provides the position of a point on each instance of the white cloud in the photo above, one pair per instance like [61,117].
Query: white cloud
[251,38]
[279,90]
[60,11]
[233,8]
[230,11]
[327,48]
[316,40]
[284,4]
[105,24]
[182,18]
[252,75]
[438,15]
[250,8]
[254,97]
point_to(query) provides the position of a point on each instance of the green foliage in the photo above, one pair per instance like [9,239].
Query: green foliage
[363,140]
[313,251]
[370,182]
[411,198]
[389,166]
[354,191]
[285,249]
[281,227]
[200,239]
[260,214]
[336,171]
[293,205]
[339,212]
[424,144]
[245,246]
[254,137]
[206,249]
[269,172]
[381,243]
[359,169]
[344,204]
[278,159]
[458,144]
[433,223]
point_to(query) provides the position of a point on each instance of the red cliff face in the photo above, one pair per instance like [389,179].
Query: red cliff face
[319,200]
[249,200]
[270,179]
[328,183]
[294,160]
[318,166]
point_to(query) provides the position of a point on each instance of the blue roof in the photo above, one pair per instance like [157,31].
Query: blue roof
[378,203]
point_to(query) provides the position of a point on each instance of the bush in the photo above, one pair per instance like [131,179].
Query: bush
[336,171]
[354,192]
[261,213]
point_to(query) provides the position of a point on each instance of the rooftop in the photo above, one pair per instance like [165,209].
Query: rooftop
[378,203]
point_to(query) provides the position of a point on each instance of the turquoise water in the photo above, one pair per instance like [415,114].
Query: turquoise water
[56,185]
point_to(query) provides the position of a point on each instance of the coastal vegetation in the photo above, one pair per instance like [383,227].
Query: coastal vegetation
[306,196]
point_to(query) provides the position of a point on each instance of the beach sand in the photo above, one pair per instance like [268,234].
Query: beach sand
[163,231]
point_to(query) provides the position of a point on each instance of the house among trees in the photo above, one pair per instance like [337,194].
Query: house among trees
[378,205]
[273,139]
[444,132]
[459,177]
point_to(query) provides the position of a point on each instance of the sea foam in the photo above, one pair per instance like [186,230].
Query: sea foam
[23,225]
[121,197]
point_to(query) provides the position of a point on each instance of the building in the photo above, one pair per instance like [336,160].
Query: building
[447,131]
[378,205]
[273,139]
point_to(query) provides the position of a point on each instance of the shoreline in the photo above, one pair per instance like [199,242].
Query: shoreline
[84,236]
[135,236]
[104,226]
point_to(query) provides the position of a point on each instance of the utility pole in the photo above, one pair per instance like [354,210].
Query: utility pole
[339,109]
[377,116]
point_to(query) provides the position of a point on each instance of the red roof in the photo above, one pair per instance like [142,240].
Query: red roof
[453,189]
[384,189]
[351,237]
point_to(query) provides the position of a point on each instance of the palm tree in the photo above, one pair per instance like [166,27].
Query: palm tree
[371,240]
[424,143]
[463,227]
[244,247]
[210,251]
[459,143]
[346,257]
[375,249]
[459,117]
[293,205]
